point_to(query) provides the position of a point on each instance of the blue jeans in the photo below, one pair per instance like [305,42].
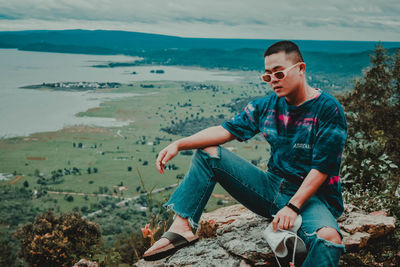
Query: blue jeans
[262,192]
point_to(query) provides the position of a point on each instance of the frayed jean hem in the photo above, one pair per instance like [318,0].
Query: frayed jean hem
[327,242]
[171,207]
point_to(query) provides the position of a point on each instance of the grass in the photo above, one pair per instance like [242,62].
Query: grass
[113,150]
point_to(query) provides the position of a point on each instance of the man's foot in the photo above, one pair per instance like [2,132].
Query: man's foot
[179,226]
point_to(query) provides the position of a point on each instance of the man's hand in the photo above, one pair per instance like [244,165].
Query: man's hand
[211,136]
[166,155]
[285,217]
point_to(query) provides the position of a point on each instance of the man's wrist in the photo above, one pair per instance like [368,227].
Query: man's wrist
[178,144]
[293,207]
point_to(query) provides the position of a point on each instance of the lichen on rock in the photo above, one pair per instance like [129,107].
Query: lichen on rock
[231,236]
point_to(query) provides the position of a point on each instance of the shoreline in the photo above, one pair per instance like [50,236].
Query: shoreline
[34,108]
[94,100]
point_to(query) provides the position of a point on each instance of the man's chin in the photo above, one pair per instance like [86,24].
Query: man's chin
[279,92]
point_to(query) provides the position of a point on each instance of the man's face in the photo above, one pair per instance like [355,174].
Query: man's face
[290,83]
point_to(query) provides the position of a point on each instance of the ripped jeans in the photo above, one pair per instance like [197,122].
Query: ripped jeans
[262,192]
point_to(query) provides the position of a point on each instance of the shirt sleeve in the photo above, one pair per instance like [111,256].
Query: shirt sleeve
[244,125]
[330,139]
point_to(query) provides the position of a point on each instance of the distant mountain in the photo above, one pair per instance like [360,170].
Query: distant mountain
[110,42]
[331,64]
[324,69]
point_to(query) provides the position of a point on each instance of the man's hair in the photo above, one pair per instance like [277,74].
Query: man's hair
[285,46]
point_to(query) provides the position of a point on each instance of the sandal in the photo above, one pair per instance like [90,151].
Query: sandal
[177,242]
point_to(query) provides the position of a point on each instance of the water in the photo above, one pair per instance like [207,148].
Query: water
[24,111]
[5,177]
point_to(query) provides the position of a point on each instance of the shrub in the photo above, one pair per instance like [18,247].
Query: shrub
[69,198]
[52,241]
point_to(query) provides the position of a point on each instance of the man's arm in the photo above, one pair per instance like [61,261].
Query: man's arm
[286,216]
[211,136]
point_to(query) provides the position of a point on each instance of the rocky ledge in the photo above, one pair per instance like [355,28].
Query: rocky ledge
[232,236]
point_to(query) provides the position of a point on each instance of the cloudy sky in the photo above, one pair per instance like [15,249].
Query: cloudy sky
[374,20]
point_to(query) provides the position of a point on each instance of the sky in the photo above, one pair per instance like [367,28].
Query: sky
[362,20]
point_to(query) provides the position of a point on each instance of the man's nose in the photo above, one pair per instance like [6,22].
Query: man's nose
[274,79]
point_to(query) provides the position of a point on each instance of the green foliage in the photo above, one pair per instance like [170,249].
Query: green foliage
[371,158]
[52,241]
[111,259]
[189,127]
[17,200]
[131,246]
[8,249]
[103,189]
[370,164]
[36,173]
[69,198]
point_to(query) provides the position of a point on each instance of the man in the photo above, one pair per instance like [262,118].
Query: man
[306,130]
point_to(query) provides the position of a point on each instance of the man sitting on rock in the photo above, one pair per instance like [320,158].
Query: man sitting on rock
[306,130]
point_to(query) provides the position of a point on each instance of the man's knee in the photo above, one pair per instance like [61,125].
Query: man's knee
[330,234]
[212,150]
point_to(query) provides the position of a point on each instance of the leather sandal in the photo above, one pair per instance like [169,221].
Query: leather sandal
[177,242]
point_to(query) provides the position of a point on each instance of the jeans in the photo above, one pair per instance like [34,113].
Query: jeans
[262,192]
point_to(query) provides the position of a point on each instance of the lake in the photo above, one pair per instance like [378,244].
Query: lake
[24,111]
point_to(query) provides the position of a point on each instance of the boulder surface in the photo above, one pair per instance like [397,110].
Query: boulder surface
[232,236]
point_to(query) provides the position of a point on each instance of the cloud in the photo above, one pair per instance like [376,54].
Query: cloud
[357,19]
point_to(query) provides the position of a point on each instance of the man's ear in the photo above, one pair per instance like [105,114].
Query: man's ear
[302,67]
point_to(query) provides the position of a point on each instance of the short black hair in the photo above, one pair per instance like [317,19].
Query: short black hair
[285,46]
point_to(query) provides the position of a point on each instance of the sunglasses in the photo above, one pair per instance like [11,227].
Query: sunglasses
[279,75]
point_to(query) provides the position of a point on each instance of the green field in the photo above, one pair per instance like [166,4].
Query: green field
[120,154]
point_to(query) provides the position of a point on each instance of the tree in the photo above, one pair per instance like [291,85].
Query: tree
[373,98]
[8,256]
[26,184]
[51,241]
[180,176]
[84,208]
[69,198]
[36,173]
[370,161]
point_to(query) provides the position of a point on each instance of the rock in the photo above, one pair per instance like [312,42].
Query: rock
[374,225]
[205,252]
[232,237]
[245,240]
[379,213]
[356,240]
[86,263]
[358,228]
